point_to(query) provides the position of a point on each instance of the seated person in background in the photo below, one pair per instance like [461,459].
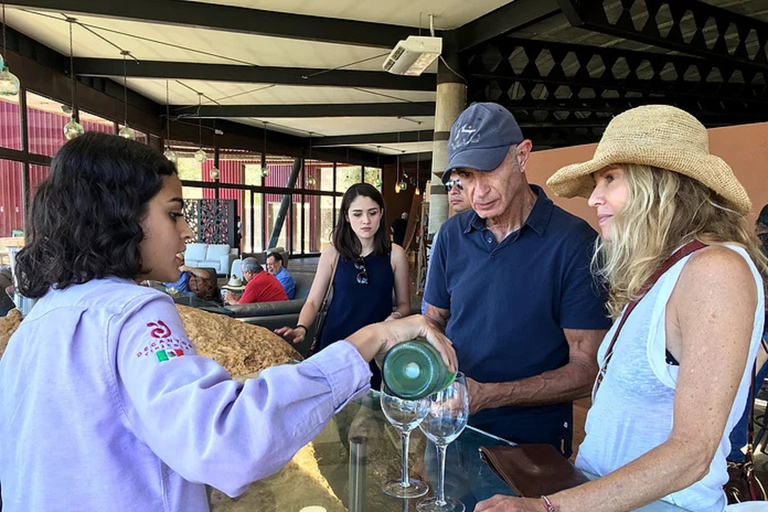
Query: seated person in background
[182,284]
[261,286]
[276,268]
[193,282]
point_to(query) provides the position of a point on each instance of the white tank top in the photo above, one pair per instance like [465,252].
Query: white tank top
[632,412]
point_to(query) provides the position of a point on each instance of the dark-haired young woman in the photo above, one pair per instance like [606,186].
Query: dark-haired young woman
[104,402]
[369,267]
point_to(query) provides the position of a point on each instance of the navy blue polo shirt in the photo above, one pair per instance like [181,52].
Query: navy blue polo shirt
[509,303]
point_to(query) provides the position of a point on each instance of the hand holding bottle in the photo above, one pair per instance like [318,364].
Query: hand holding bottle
[375,340]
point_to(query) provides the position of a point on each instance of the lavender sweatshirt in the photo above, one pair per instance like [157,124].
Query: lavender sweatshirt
[105,405]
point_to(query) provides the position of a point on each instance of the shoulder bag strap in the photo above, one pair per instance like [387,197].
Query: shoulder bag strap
[321,313]
[684,251]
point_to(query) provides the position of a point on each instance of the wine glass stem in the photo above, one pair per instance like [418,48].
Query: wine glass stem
[404,477]
[441,475]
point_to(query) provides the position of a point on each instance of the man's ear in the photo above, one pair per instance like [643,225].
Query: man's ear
[523,153]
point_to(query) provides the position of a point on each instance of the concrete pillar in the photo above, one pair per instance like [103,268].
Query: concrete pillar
[451,101]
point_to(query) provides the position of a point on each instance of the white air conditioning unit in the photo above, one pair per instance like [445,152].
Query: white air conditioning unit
[413,55]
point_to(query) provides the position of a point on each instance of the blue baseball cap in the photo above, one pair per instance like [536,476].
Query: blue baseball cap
[481,137]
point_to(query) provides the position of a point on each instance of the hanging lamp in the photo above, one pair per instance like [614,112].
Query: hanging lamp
[402,184]
[264,166]
[214,173]
[169,153]
[378,166]
[72,129]
[200,155]
[9,83]
[126,131]
[418,143]
[311,181]
[398,182]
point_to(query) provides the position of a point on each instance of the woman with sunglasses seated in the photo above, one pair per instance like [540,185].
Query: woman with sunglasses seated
[368,267]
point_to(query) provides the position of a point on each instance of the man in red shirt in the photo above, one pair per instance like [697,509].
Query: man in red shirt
[261,286]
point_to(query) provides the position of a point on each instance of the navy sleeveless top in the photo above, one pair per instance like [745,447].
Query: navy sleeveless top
[356,305]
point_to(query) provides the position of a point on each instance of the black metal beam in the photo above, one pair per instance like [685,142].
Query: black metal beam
[580,66]
[505,19]
[235,19]
[254,74]
[403,109]
[697,28]
[374,138]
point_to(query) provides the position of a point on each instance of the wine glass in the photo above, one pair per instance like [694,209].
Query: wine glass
[447,415]
[404,415]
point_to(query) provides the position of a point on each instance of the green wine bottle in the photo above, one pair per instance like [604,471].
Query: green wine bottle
[415,369]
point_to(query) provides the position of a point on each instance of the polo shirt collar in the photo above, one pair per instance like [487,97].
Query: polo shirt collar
[537,220]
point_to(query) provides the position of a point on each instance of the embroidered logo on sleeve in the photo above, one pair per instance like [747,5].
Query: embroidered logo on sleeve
[164,345]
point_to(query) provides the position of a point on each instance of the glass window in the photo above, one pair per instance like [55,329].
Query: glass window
[373,176]
[94,123]
[252,173]
[318,175]
[37,174]
[273,207]
[318,222]
[11,204]
[45,123]
[253,229]
[346,176]
[296,241]
[10,122]
[232,165]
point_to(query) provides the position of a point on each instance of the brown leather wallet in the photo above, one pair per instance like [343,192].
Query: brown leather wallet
[532,470]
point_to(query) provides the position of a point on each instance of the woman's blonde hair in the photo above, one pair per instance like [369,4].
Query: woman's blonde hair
[664,210]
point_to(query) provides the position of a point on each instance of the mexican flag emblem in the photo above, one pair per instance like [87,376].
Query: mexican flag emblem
[165,355]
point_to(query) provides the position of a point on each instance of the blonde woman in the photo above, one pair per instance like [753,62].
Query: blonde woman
[676,378]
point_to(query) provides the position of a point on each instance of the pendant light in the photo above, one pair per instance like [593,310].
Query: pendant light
[264,167]
[72,129]
[214,173]
[378,166]
[418,143]
[169,153]
[398,182]
[200,154]
[402,185]
[126,131]
[9,83]
[311,181]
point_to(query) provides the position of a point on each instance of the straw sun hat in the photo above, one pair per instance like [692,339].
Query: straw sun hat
[659,136]
[234,284]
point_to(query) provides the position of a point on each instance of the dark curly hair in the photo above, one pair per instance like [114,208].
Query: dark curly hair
[344,239]
[85,217]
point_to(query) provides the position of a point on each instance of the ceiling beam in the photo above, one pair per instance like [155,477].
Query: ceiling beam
[403,109]
[505,19]
[374,138]
[235,19]
[254,74]
[506,60]
[688,19]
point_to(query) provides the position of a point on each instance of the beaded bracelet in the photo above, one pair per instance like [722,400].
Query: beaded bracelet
[548,504]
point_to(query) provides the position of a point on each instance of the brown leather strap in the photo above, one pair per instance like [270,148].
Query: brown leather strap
[684,251]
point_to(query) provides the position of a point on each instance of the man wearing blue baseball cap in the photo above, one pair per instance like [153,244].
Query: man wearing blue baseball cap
[510,282]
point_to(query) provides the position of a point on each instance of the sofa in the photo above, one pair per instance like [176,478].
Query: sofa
[273,315]
[217,256]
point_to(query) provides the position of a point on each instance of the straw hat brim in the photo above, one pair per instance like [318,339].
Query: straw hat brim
[576,179]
